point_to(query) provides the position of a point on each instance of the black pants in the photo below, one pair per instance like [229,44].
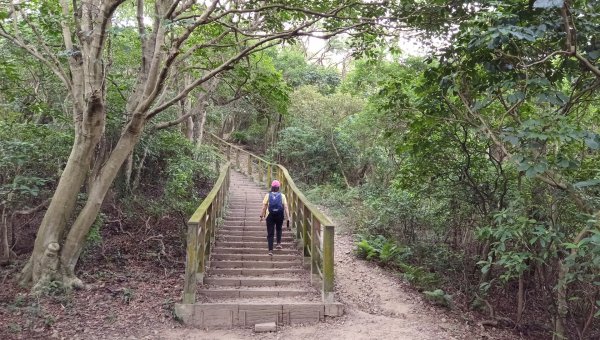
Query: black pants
[274,222]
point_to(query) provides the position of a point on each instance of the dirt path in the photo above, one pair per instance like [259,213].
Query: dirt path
[378,306]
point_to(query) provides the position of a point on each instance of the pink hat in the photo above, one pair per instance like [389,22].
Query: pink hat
[275,184]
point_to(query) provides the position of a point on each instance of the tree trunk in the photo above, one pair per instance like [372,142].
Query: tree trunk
[138,173]
[200,129]
[61,208]
[561,302]
[128,172]
[4,245]
[53,262]
[339,157]
[520,299]
[76,238]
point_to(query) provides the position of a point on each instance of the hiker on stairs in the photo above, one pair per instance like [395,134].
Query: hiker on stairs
[274,205]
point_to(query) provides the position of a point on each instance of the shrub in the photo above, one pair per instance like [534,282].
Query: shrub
[439,297]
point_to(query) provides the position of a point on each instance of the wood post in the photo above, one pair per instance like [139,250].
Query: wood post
[314,250]
[237,159]
[328,250]
[269,175]
[305,226]
[191,264]
[249,166]
[202,233]
[228,152]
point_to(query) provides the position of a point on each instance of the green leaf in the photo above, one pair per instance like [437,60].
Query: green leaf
[591,143]
[531,172]
[587,183]
[571,246]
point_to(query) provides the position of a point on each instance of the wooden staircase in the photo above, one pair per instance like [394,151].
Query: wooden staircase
[243,285]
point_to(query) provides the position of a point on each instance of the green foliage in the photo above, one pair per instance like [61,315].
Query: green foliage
[181,167]
[419,277]
[315,147]
[389,254]
[439,297]
[381,250]
[31,158]
[94,237]
[298,72]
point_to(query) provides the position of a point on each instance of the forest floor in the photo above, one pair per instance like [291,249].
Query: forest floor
[136,275]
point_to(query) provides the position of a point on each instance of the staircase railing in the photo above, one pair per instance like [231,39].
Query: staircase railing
[201,233]
[313,228]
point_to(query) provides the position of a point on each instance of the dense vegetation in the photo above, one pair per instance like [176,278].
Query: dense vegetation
[471,168]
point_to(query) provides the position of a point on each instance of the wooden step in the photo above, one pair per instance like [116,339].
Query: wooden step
[263,244]
[244,281]
[251,233]
[255,271]
[261,238]
[225,250]
[255,264]
[249,293]
[252,227]
[254,257]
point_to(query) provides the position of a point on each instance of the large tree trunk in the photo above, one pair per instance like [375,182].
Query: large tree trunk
[99,187]
[53,262]
[61,207]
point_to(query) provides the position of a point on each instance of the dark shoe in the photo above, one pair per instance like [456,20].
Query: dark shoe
[270,253]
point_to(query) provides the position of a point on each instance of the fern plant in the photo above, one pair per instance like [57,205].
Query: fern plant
[365,250]
[389,252]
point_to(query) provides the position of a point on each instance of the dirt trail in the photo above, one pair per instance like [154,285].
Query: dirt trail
[378,305]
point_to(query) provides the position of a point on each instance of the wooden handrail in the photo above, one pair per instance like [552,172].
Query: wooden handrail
[201,233]
[313,228]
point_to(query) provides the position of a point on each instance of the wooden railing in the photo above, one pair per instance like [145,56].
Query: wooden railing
[201,233]
[313,228]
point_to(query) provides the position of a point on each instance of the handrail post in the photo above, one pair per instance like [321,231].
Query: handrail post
[314,251]
[328,251]
[202,250]
[269,175]
[305,225]
[237,159]
[228,152]
[191,264]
